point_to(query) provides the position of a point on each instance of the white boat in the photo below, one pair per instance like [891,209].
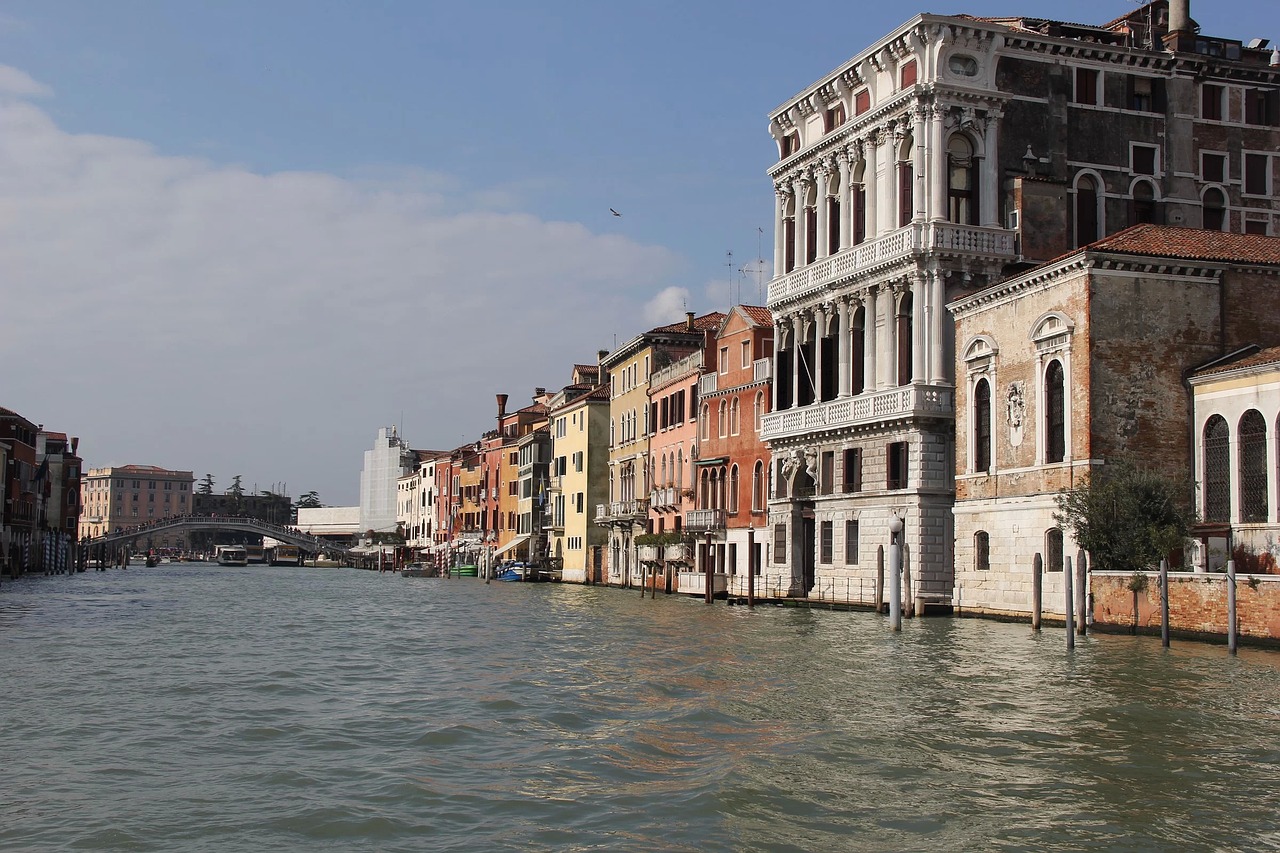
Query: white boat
[232,555]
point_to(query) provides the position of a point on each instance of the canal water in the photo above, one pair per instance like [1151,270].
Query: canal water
[193,707]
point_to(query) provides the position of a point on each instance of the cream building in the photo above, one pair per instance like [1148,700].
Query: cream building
[127,496]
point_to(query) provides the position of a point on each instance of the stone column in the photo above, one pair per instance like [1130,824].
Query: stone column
[989,183]
[779,336]
[886,344]
[870,337]
[887,183]
[871,185]
[919,164]
[798,194]
[780,193]
[822,178]
[845,349]
[939,372]
[919,327]
[798,332]
[845,164]
[938,174]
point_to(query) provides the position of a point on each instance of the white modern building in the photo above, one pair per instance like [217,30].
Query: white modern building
[384,465]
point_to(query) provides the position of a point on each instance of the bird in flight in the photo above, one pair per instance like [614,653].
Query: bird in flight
[614,212]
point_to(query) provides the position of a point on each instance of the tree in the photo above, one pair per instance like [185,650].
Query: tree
[310,500]
[206,485]
[1127,517]
[237,494]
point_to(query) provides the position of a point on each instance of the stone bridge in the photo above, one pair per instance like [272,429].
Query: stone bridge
[304,541]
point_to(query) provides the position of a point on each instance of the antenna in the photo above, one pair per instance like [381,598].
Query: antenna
[728,262]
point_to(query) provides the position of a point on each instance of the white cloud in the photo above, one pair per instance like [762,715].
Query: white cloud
[177,312]
[669,306]
[19,83]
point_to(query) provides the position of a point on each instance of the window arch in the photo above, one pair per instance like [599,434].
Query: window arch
[757,487]
[1053,549]
[704,489]
[758,413]
[1253,467]
[906,182]
[1217,470]
[962,201]
[1214,209]
[705,431]
[981,551]
[733,416]
[679,468]
[1088,210]
[733,489]
[722,412]
[1143,203]
[858,332]
[1055,416]
[982,426]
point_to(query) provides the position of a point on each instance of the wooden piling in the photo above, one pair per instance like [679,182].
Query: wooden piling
[895,575]
[1164,603]
[1037,591]
[751,567]
[1231,606]
[1082,595]
[1069,611]
[879,578]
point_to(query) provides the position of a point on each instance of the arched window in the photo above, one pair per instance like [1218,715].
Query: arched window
[906,183]
[664,480]
[705,431]
[982,426]
[982,551]
[704,489]
[733,489]
[904,339]
[757,487]
[1214,210]
[1217,470]
[858,346]
[1253,467]
[1087,219]
[1142,206]
[758,414]
[962,203]
[679,468]
[722,418]
[1055,416]
[1053,549]
[721,484]
[733,416]
[612,432]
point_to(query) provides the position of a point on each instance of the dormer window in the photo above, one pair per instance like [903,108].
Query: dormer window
[790,144]
[833,118]
[963,66]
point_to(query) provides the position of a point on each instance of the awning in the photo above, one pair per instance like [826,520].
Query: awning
[514,543]
[719,460]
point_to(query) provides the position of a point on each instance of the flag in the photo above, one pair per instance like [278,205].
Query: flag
[43,470]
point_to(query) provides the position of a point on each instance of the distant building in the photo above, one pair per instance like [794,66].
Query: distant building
[58,494]
[267,506]
[579,475]
[384,465]
[124,496]
[338,524]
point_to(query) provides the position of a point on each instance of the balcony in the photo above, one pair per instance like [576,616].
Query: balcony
[707,384]
[704,519]
[946,238]
[668,497]
[763,369]
[622,512]
[907,401]
[556,483]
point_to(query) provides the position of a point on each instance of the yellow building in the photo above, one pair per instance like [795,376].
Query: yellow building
[134,495]
[579,476]
[630,470]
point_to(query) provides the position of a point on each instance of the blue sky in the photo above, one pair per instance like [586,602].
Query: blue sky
[245,235]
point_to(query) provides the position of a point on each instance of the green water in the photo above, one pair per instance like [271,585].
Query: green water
[195,707]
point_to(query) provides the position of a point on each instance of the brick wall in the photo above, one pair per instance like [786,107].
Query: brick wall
[1197,603]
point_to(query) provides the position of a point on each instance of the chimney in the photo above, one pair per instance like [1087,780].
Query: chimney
[75,443]
[502,408]
[1180,38]
[539,392]
[688,320]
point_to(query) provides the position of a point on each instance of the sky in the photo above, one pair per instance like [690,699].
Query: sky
[239,237]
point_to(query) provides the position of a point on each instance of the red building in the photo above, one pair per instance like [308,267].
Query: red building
[732,466]
[19,513]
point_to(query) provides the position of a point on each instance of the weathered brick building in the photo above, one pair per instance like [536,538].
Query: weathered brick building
[1080,362]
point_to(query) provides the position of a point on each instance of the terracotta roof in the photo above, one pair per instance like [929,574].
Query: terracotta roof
[759,313]
[1191,244]
[707,322]
[600,392]
[1256,358]
[587,368]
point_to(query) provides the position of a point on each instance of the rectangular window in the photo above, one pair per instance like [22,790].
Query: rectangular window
[746,353]
[1142,159]
[1213,167]
[1086,86]
[853,469]
[827,474]
[851,543]
[1259,107]
[1255,226]
[861,102]
[1140,94]
[908,73]
[1211,101]
[1256,177]
[827,535]
[779,544]
[724,359]
[897,466]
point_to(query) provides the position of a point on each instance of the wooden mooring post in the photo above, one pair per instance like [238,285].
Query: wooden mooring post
[1037,591]
[1164,603]
[1069,611]
[1231,606]
[751,567]
[1082,592]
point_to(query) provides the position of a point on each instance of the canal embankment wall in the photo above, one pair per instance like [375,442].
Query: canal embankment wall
[1197,604]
